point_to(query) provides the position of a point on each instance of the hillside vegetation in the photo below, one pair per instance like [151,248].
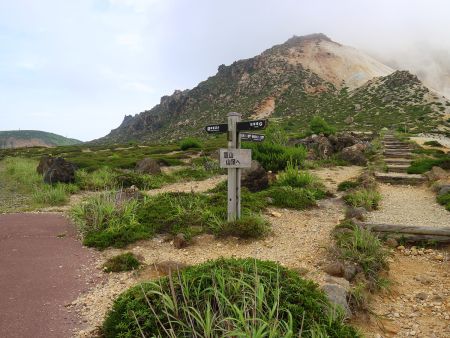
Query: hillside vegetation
[33,138]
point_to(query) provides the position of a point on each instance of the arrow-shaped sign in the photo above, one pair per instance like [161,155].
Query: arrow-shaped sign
[217,128]
[252,137]
[252,125]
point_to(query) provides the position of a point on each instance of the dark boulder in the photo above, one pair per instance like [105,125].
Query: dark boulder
[44,164]
[255,178]
[341,141]
[60,171]
[355,154]
[148,166]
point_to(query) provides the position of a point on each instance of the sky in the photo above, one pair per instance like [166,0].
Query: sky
[76,68]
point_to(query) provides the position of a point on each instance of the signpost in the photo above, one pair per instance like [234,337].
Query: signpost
[234,158]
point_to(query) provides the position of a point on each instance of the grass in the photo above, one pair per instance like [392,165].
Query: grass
[295,178]
[362,247]
[190,143]
[366,198]
[433,143]
[249,226]
[226,298]
[444,200]
[123,262]
[347,185]
[423,165]
[293,198]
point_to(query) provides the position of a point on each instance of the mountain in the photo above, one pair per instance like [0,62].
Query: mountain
[305,76]
[32,138]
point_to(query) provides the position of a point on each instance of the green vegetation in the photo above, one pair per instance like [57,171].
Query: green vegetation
[293,198]
[433,144]
[348,185]
[48,138]
[275,157]
[189,143]
[318,125]
[366,198]
[425,164]
[444,200]
[226,298]
[123,262]
[249,226]
[362,247]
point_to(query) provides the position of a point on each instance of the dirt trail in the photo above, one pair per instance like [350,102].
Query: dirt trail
[43,268]
[418,301]
[300,240]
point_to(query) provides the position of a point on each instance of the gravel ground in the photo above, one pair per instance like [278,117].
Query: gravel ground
[409,205]
[195,186]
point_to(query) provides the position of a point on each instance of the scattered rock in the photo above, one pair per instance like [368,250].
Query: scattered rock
[167,267]
[337,295]
[357,213]
[391,242]
[180,241]
[334,269]
[349,120]
[148,166]
[355,154]
[444,189]
[350,271]
[255,178]
[59,171]
[421,296]
[44,164]
[128,194]
[400,248]
[275,214]
[436,173]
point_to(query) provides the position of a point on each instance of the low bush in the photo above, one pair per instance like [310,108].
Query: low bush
[293,177]
[276,157]
[226,298]
[423,165]
[347,185]
[318,125]
[189,143]
[444,200]
[249,226]
[294,198]
[123,262]
[362,247]
[366,198]
[433,143]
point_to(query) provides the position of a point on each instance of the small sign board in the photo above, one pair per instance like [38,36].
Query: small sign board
[252,137]
[235,158]
[217,128]
[252,125]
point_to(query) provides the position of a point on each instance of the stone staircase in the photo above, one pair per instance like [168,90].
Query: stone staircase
[398,157]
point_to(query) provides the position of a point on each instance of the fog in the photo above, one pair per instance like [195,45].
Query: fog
[77,67]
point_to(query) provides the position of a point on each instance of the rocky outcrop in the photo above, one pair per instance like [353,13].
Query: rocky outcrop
[148,166]
[255,178]
[355,154]
[60,171]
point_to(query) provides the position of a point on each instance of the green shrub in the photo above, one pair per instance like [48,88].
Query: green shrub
[104,224]
[100,179]
[347,185]
[249,226]
[423,165]
[433,143]
[123,262]
[56,194]
[226,298]
[318,125]
[444,200]
[294,198]
[23,171]
[275,157]
[366,198]
[189,143]
[362,247]
[293,177]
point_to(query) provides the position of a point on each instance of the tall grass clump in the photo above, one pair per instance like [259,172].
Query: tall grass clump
[123,262]
[444,200]
[100,179]
[318,125]
[190,143]
[362,247]
[226,298]
[104,223]
[366,198]
[276,157]
[293,177]
[23,171]
[57,194]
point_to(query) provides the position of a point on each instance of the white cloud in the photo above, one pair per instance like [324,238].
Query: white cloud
[133,41]
[139,6]
[139,87]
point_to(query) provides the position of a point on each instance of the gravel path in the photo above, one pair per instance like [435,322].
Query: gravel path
[409,205]
[194,186]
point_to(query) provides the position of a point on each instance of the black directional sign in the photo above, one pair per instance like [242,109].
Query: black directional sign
[252,137]
[252,125]
[217,128]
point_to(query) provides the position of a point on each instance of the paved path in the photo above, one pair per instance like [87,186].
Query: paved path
[42,268]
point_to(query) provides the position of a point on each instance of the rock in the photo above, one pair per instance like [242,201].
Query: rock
[275,214]
[180,241]
[349,120]
[339,281]
[255,178]
[148,166]
[357,213]
[60,171]
[436,173]
[444,190]
[391,242]
[341,141]
[337,295]
[350,271]
[400,248]
[355,154]
[334,269]
[44,164]
[421,296]
[269,200]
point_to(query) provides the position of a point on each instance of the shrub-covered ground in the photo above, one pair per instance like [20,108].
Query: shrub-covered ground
[226,298]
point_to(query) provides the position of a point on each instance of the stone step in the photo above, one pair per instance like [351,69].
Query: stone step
[397,168]
[397,148]
[397,161]
[400,178]
[398,154]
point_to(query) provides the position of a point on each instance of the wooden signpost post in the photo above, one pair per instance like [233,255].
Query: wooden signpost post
[234,158]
